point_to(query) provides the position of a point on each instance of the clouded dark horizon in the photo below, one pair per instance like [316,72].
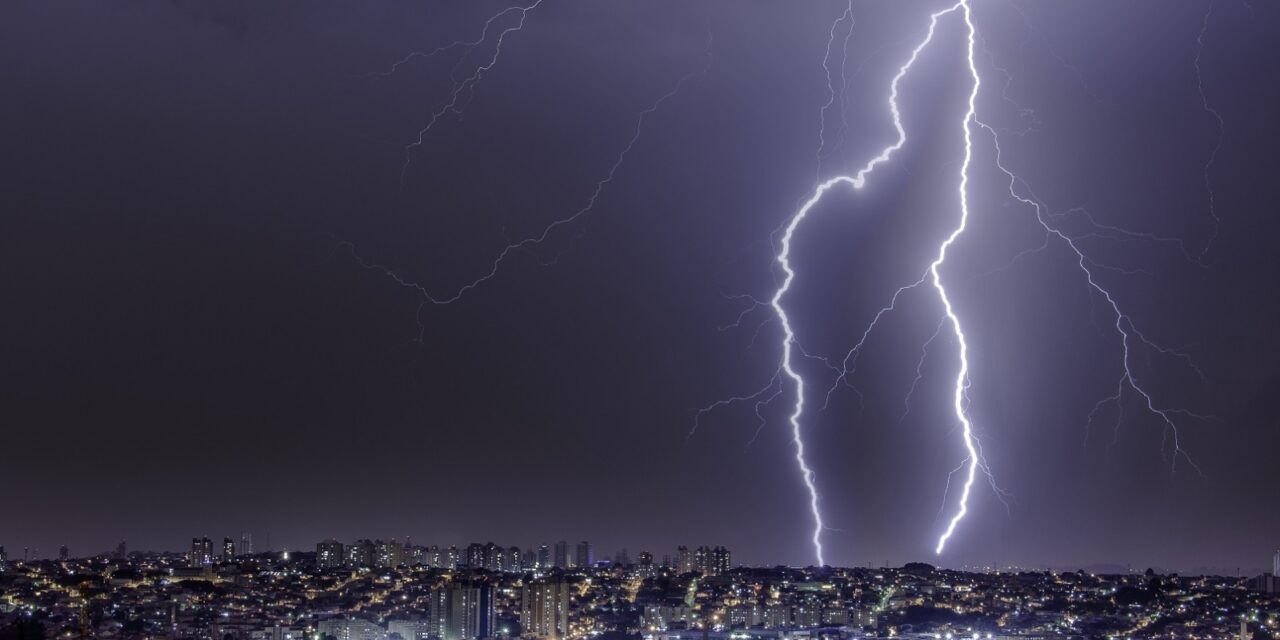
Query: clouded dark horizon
[191,348]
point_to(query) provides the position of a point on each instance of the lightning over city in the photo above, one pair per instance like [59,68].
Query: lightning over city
[618,320]
[1130,336]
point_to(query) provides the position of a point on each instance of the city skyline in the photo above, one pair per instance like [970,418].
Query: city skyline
[379,596]
[682,558]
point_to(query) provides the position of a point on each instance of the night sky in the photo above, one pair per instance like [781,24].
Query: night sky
[191,346]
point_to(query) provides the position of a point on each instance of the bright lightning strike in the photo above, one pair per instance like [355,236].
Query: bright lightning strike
[857,181]
[1131,338]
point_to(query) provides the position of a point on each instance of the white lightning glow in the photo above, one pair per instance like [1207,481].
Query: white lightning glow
[962,376]
[857,181]
[1131,338]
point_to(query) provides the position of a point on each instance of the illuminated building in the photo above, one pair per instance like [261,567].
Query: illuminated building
[684,560]
[462,612]
[719,562]
[646,564]
[361,554]
[351,630]
[228,550]
[390,554]
[409,629]
[544,609]
[329,554]
[201,552]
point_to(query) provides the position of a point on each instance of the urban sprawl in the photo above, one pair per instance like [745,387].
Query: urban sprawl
[388,590]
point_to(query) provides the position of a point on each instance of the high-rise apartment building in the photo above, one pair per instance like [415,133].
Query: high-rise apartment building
[475,555]
[461,611]
[684,560]
[544,609]
[350,629]
[544,557]
[201,553]
[228,549]
[409,629]
[645,567]
[582,555]
[362,554]
[390,554]
[562,555]
[329,554]
[720,561]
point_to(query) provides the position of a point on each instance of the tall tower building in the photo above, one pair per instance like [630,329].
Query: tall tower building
[4,559]
[544,557]
[702,560]
[684,560]
[228,550]
[646,564]
[201,552]
[361,554]
[63,553]
[582,555]
[390,554]
[329,554]
[460,611]
[720,561]
[1275,564]
[475,556]
[544,609]
[246,543]
[562,555]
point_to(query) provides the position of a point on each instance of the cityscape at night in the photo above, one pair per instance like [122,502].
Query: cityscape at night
[725,319]
[393,590]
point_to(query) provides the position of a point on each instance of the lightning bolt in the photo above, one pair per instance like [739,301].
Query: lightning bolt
[1131,337]
[1222,127]
[467,84]
[783,259]
[962,376]
[529,242]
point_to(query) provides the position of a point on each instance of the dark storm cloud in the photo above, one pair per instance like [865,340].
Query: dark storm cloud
[186,353]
